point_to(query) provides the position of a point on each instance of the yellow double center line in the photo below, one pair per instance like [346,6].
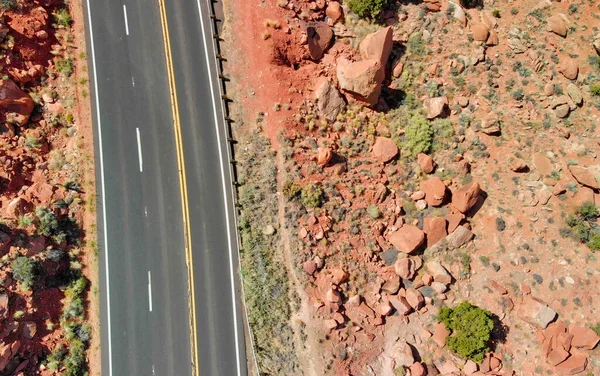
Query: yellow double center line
[182,187]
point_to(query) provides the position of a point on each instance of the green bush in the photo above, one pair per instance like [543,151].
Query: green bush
[311,196]
[471,328]
[418,135]
[62,18]
[8,4]
[291,190]
[583,226]
[373,211]
[595,90]
[47,222]
[367,8]
[25,270]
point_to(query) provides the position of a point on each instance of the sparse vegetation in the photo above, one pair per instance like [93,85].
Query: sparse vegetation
[583,225]
[62,18]
[370,9]
[311,195]
[418,135]
[471,328]
[25,270]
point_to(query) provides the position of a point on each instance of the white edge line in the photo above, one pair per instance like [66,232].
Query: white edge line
[99,122]
[126,23]
[139,145]
[150,291]
[235,324]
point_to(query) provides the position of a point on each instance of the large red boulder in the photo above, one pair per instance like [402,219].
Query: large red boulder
[435,191]
[385,149]
[14,101]
[466,197]
[407,239]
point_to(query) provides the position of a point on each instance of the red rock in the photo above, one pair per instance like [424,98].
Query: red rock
[470,367]
[401,305]
[543,164]
[536,312]
[583,337]
[402,354]
[454,219]
[41,191]
[414,298]
[331,324]
[377,46]
[573,365]
[398,68]
[385,149]
[417,369]
[439,273]
[17,207]
[392,285]
[333,296]
[407,239]
[480,32]
[569,68]
[405,268]
[558,25]
[466,197]
[435,191]
[435,228]
[361,79]
[338,276]
[3,306]
[418,195]
[495,362]
[435,107]
[384,309]
[440,333]
[319,39]
[309,267]
[14,100]
[334,11]
[329,100]
[426,163]
[586,176]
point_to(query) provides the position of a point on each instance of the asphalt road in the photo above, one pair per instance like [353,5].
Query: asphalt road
[145,314]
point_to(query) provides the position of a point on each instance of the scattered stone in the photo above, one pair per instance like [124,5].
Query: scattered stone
[309,267]
[414,298]
[519,165]
[435,228]
[329,101]
[3,307]
[405,268]
[584,337]
[385,149]
[440,333]
[490,124]
[334,11]
[549,89]
[586,176]
[421,205]
[435,191]
[417,369]
[562,111]
[470,367]
[466,197]
[536,312]
[543,164]
[454,220]
[569,68]
[459,237]
[15,101]
[319,39]
[480,32]
[575,94]
[29,329]
[492,39]
[575,364]
[398,68]
[426,163]
[402,354]
[407,239]
[324,156]
[392,285]
[361,79]
[401,305]
[558,24]
[377,46]
[435,107]
[463,102]
[439,273]
[389,256]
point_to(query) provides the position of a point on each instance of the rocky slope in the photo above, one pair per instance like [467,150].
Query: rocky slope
[426,160]
[44,172]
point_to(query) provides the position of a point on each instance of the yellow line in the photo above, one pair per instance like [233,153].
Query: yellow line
[182,187]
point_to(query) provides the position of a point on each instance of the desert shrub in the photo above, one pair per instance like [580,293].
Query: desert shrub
[62,18]
[496,13]
[291,190]
[594,62]
[367,8]
[8,4]
[418,135]
[75,361]
[65,66]
[25,270]
[373,211]
[583,226]
[311,196]
[595,90]
[471,328]
[47,221]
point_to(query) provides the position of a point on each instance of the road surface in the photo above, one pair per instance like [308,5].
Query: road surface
[154,101]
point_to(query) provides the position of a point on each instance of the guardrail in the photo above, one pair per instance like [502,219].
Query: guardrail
[228,121]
